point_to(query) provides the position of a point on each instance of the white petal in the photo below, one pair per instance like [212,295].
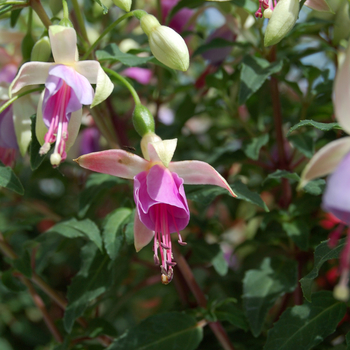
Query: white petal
[73,128]
[342,93]
[325,160]
[40,127]
[63,44]
[23,109]
[31,73]
[142,234]
[194,172]
[162,150]
[96,75]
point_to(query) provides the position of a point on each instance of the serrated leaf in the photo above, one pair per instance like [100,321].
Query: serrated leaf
[278,174]
[253,74]
[168,331]
[93,279]
[35,158]
[113,235]
[252,149]
[104,8]
[322,253]
[112,53]
[317,125]
[261,289]
[304,326]
[9,180]
[73,228]
[299,232]
[304,143]
[315,187]
[204,253]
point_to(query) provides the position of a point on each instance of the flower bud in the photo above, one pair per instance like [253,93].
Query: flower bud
[143,120]
[41,50]
[27,46]
[166,45]
[123,4]
[282,21]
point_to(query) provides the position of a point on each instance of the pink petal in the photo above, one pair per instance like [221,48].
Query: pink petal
[318,5]
[194,172]
[141,75]
[31,73]
[342,93]
[63,44]
[325,160]
[114,162]
[142,234]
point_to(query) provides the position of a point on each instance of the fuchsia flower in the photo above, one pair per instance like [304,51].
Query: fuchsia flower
[67,88]
[159,194]
[180,19]
[334,159]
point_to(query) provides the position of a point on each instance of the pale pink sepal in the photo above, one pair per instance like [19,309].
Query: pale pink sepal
[194,172]
[318,5]
[96,75]
[325,160]
[142,234]
[73,128]
[162,151]
[342,93]
[31,73]
[114,162]
[63,44]
[40,128]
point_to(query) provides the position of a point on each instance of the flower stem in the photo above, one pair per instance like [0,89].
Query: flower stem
[15,98]
[65,9]
[126,83]
[38,8]
[216,327]
[105,32]
[79,16]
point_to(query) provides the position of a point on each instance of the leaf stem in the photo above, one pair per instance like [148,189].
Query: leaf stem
[186,271]
[79,16]
[126,83]
[38,8]
[105,32]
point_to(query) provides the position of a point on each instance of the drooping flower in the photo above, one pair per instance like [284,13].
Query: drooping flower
[334,159]
[159,195]
[180,19]
[67,88]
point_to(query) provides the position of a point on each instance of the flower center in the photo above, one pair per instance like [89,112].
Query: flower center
[58,130]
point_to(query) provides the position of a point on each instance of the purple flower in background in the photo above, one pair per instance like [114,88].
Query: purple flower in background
[67,88]
[141,75]
[90,140]
[158,192]
[8,141]
[180,19]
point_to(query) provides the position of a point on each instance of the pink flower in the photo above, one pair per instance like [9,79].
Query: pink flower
[159,194]
[141,75]
[180,19]
[67,88]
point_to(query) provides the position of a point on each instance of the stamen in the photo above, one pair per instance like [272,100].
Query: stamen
[44,148]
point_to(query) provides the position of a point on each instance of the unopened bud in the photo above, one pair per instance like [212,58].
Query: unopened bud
[166,45]
[55,159]
[27,46]
[65,22]
[341,292]
[282,21]
[41,50]
[143,120]
[123,4]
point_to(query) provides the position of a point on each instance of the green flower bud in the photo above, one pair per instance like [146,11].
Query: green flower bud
[143,120]
[282,21]
[65,22]
[41,50]
[123,4]
[27,46]
[166,45]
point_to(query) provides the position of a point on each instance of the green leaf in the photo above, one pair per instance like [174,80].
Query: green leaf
[11,282]
[113,235]
[315,187]
[167,331]
[299,232]
[278,174]
[317,125]
[252,149]
[322,253]
[348,341]
[74,228]
[217,43]
[9,180]
[93,279]
[23,264]
[304,326]
[113,53]
[261,289]
[104,8]
[14,17]
[253,74]
[204,253]
[232,314]
[35,158]
[304,143]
